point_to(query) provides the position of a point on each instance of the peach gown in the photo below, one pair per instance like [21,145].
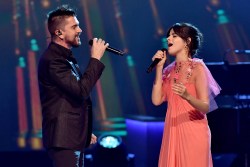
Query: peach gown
[186,141]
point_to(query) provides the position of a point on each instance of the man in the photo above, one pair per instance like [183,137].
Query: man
[65,91]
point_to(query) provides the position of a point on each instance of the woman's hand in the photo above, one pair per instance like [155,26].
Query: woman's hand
[160,55]
[181,90]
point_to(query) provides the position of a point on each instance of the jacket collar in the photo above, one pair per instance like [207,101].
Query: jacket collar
[65,52]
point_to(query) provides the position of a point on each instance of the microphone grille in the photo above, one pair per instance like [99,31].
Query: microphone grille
[91,42]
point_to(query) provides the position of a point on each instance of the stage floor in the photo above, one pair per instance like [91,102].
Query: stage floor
[40,159]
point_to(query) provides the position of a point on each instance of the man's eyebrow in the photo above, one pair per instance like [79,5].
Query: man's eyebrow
[75,25]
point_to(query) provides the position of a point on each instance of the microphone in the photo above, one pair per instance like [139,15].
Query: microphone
[154,63]
[110,49]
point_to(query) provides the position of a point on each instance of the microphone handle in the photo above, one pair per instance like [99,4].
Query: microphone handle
[153,64]
[110,49]
[116,51]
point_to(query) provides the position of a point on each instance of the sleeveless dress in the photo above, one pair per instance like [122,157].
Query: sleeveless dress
[186,139]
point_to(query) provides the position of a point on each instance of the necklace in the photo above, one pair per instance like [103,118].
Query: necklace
[177,70]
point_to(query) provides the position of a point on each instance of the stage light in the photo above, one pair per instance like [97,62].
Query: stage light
[110,141]
[130,61]
[109,151]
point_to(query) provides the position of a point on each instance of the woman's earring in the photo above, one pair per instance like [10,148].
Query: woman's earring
[186,48]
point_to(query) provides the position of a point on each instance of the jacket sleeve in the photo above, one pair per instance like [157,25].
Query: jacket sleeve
[62,75]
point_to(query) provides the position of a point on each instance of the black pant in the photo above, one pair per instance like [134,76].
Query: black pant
[66,158]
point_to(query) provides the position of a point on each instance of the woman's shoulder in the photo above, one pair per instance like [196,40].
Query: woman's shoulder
[168,68]
[198,63]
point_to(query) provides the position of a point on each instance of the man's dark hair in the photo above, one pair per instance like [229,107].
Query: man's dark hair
[57,16]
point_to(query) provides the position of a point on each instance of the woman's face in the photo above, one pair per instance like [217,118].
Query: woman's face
[176,45]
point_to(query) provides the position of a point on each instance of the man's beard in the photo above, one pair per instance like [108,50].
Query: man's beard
[76,44]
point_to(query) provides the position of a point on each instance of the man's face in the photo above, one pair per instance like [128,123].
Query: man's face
[72,32]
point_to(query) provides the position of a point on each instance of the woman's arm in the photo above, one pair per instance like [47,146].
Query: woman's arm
[157,95]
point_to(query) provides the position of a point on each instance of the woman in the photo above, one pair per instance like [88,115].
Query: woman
[189,89]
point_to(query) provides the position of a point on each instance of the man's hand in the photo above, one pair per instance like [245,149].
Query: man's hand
[98,48]
[93,139]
